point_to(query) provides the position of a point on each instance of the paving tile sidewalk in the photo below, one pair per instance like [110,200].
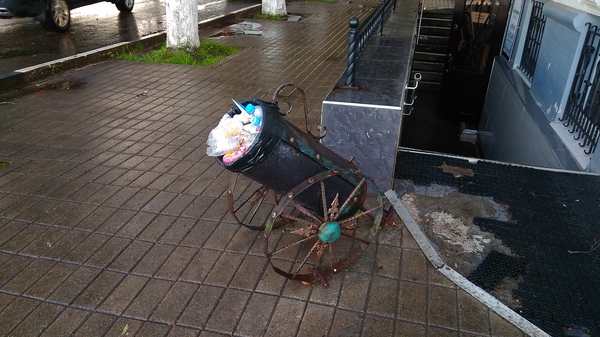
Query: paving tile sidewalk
[113,221]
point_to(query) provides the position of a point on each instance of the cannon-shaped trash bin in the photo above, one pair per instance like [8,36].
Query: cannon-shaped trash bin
[322,217]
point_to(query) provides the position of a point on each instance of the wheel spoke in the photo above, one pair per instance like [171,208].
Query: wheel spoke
[354,238]
[245,211]
[351,196]
[331,261]
[321,251]
[308,213]
[291,245]
[360,215]
[324,199]
[334,210]
[306,258]
[295,218]
[256,197]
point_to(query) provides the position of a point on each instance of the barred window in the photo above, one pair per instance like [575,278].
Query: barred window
[582,114]
[533,40]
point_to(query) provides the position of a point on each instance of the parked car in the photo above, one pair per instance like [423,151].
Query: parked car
[53,14]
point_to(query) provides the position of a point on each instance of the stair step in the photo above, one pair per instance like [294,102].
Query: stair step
[435,31]
[438,13]
[431,48]
[429,57]
[436,22]
[428,86]
[430,52]
[428,76]
[430,39]
[427,66]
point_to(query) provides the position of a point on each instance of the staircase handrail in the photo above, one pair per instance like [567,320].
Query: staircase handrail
[421,8]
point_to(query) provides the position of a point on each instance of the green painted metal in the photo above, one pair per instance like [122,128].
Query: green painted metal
[330,231]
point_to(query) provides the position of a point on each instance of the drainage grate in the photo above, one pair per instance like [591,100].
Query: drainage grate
[496,267]
[553,236]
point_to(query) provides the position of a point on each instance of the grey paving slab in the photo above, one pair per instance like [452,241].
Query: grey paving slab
[98,290]
[174,302]
[95,325]
[12,266]
[199,308]
[66,323]
[50,281]
[113,220]
[38,320]
[28,276]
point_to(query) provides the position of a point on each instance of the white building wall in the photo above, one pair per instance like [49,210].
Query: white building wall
[521,120]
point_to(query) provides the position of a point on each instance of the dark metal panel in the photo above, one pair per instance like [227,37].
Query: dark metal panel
[368,133]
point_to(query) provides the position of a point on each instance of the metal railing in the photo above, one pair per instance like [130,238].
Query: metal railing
[360,33]
[535,32]
[582,113]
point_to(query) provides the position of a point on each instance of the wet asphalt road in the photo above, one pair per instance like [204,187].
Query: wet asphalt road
[24,42]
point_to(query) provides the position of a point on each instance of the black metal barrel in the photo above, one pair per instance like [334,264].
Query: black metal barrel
[282,157]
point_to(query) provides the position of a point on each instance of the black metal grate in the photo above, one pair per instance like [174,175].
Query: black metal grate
[553,235]
[495,267]
[535,32]
[582,114]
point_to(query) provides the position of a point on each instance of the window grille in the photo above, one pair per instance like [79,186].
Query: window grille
[582,114]
[533,40]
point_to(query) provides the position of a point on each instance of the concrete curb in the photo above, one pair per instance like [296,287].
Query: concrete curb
[23,76]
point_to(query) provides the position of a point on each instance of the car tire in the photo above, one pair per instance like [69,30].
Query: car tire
[57,16]
[125,5]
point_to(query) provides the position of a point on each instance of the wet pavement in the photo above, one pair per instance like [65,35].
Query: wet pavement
[26,43]
[113,221]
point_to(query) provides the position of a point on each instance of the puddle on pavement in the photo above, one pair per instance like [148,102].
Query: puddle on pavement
[447,220]
[39,88]
[254,28]
[63,85]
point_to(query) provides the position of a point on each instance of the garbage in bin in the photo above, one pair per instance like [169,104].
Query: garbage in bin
[235,133]
[279,156]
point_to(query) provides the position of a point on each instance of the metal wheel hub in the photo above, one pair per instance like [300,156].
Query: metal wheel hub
[330,232]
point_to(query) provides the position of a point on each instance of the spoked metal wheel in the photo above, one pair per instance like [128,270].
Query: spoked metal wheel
[318,243]
[249,202]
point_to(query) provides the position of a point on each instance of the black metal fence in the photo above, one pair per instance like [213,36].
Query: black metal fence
[533,40]
[582,113]
[360,33]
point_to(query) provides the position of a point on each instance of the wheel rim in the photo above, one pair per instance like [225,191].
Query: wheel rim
[318,245]
[60,13]
[129,3]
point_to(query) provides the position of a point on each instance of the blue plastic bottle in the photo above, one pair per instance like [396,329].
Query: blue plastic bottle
[254,126]
[254,110]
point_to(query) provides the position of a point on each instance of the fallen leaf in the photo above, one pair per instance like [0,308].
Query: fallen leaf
[456,171]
